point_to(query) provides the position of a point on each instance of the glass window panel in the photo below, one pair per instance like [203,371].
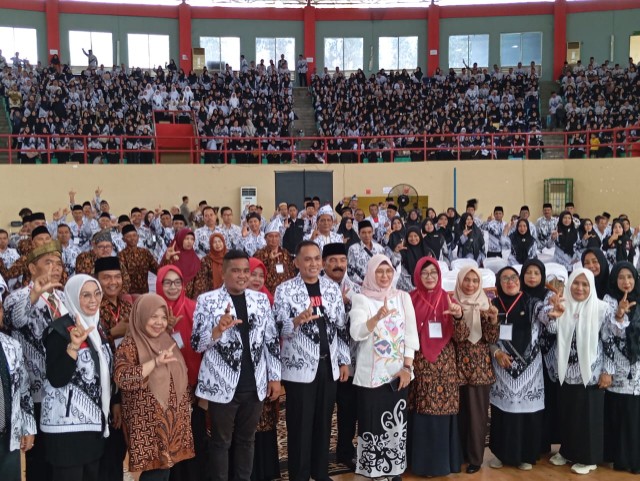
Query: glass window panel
[265,49]
[353,53]
[510,49]
[230,51]
[102,46]
[138,49]
[26,42]
[478,50]
[77,41]
[531,48]
[388,53]
[7,45]
[458,50]
[333,50]
[407,52]
[287,46]
[158,50]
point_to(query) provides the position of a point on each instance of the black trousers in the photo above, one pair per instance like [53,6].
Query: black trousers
[115,450]
[155,475]
[235,421]
[37,467]
[347,420]
[198,468]
[308,414]
[85,472]
[494,254]
[9,460]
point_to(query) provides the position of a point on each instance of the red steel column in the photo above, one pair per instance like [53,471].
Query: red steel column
[433,38]
[53,30]
[310,38]
[559,36]
[184,35]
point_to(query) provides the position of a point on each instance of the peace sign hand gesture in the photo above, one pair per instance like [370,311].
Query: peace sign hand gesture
[43,284]
[624,307]
[557,307]
[173,320]
[305,316]
[79,334]
[171,254]
[227,321]
[454,309]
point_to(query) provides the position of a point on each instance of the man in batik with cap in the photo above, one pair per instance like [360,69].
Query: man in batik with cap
[137,261]
[323,233]
[28,312]
[278,261]
[102,246]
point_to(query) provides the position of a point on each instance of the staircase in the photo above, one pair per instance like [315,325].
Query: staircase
[546,87]
[306,121]
[5,129]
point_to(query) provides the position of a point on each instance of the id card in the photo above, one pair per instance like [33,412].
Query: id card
[279,269]
[435,330]
[76,241]
[506,332]
[178,338]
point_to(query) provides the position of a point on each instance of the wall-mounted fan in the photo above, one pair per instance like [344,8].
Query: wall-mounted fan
[406,197]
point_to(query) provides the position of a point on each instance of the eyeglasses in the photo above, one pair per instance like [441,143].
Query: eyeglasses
[429,274]
[512,278]
[176,283]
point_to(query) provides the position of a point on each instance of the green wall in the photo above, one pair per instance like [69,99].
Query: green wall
[119,26]
[594,29]
[494,26]
[27,19]
[370,31]
[248,30]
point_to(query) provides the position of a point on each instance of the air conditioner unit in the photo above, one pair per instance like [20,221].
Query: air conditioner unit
[248,195]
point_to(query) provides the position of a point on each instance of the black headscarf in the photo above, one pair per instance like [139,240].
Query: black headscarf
[412,254]
[397,235]
[593,240]
[632,332]
[350,235]
[567,235]
[519,315]
[434,240]
[477,238]
[540,291]
[521,243]
[408,222]
[623,244]
[601,279]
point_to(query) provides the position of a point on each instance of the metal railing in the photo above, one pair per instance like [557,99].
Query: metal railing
[275,150]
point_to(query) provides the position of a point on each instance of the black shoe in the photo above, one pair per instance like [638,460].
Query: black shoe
[349,463]
[473,468]
[396,478]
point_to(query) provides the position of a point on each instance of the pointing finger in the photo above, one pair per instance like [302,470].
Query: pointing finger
[385,302]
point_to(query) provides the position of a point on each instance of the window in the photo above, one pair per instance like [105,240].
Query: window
[396,53]
[346,53]
[271,49]
[147,51]
[221,50]
[520,47]
[468,49]
[100,42]
[22,40]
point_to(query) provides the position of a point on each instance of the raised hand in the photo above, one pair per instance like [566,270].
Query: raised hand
[171,254]
[72,195]
[384,311]
[624,306]
[79,334]
[400,246]
[305,316]
[245,230]
[558,307]
[275,254]
[454,309]
[98,191]
[43,284]
[173,320]
[166,356]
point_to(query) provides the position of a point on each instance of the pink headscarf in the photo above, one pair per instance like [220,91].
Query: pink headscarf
[369,287]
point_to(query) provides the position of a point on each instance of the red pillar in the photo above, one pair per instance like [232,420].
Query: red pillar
[559,36]
[310,38]
[184,35]
[53,30]
[433,38]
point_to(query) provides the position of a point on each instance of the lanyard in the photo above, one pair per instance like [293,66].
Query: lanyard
[435,307]
[114,315]
[507,311]
[55,311]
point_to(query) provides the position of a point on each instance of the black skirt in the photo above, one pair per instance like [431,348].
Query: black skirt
[550,420]
[266,463]
[581,410]
[622,431]
[382,431]
[515,437]
[435,448]
[62,450]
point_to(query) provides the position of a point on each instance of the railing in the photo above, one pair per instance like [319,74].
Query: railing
[46,148]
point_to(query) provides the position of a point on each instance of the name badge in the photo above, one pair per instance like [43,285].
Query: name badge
[118,341]
[76,241]
[435,330]
[178,338]
[279,269]
[506,332]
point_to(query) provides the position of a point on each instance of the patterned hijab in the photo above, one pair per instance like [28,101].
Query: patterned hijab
[472,304]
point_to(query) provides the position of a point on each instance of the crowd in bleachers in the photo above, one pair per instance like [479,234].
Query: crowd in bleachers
[114,108]
[596,97]
[473,103]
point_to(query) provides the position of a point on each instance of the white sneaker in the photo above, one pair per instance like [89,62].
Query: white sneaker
[579,468]
[558,460]
[495,463]
[525,466]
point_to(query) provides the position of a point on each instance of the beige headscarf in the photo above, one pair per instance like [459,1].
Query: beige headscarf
[150,347]
[471,305]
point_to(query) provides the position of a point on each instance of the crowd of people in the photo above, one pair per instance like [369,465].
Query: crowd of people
[106,111]
[594,103]
[169,335]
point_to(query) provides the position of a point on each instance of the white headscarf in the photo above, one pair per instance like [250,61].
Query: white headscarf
[583,318]
[72,300]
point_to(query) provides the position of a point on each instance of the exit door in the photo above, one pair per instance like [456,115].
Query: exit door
[293,187]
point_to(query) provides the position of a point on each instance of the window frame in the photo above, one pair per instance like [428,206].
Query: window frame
[525,63]
[469,60]
[397,42]
[342,66]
